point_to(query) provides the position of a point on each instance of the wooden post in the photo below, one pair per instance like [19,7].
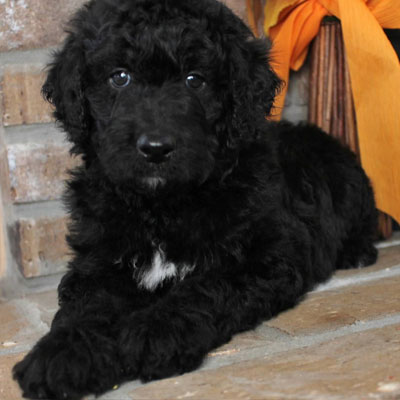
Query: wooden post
[331,104]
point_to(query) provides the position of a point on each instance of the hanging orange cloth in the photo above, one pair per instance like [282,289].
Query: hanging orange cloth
[374,71]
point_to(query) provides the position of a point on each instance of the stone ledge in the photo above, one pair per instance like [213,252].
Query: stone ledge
[25,320]
[338,369]
[9,389]
[303,353]
[331,310]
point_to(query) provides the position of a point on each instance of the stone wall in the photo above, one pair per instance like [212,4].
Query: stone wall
[33,154]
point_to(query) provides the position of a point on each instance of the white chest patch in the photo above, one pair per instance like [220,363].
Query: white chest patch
[161,270]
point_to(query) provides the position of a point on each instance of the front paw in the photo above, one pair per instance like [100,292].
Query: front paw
[66,364]
[155,344]
[30,373]
[37,373]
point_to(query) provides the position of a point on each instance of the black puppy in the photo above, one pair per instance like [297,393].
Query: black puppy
[193,218]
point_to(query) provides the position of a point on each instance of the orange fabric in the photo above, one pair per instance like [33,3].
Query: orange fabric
[374,70]
[290,39]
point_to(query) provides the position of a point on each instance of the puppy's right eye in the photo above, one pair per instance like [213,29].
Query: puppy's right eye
[120,79]
[195,81]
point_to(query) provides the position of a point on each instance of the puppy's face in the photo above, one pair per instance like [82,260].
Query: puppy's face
[153,97]
[159,91]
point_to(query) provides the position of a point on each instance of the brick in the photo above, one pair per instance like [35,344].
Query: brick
[41,246]
[239,7]
[22,100]
[38,171]
[40,23]
[353,367]
[34,23]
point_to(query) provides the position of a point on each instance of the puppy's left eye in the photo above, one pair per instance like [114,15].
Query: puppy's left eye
[195,81]
[120,78]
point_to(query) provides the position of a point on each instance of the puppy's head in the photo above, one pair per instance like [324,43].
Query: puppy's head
[160,92]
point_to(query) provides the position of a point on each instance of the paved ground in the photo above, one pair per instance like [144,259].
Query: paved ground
[342,342]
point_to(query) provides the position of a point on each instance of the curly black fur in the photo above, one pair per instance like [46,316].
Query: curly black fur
[231,224]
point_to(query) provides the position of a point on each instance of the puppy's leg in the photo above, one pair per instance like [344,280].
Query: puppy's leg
[70,362]
[80,354]
[98,342]
[199,314]
[358,249]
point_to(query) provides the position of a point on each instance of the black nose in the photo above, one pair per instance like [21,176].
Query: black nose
[155,150]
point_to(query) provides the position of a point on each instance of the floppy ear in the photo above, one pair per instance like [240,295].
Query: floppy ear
[266,83]
[64,89]
[253,87]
